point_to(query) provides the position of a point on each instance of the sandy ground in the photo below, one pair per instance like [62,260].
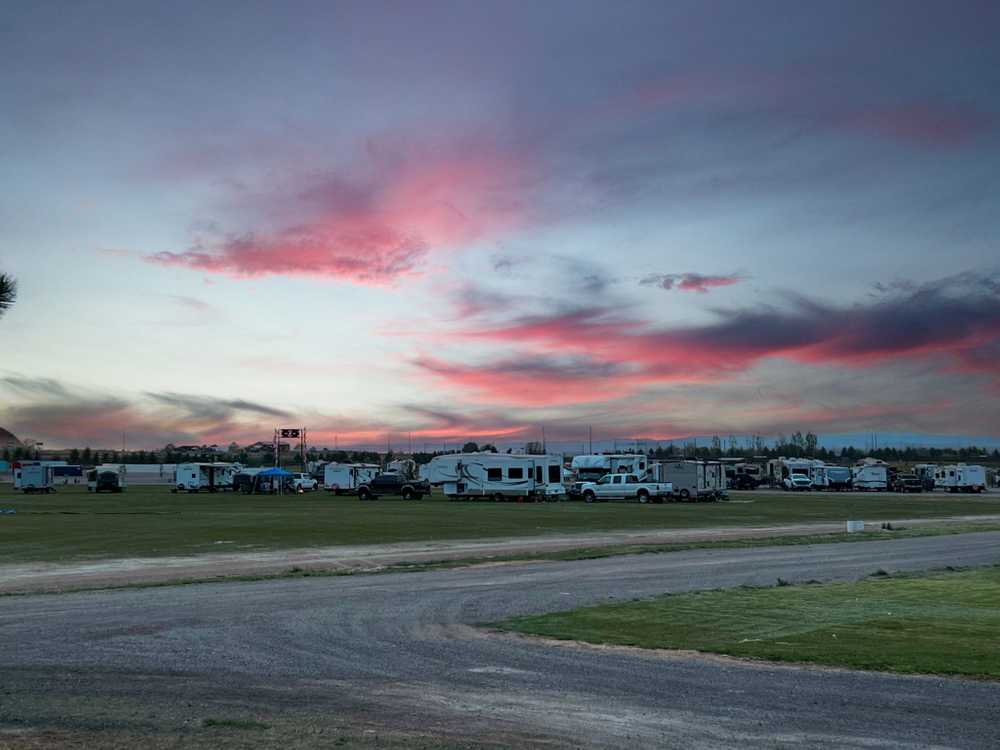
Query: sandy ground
[48,577]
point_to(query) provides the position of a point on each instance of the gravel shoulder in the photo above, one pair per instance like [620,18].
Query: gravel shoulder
[42,577]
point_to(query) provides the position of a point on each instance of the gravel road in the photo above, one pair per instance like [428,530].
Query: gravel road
[401,653]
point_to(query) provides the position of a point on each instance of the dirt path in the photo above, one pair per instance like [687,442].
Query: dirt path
[61,576]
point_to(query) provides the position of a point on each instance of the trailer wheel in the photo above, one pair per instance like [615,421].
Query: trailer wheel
[685,494]
[589,496]
[643,496]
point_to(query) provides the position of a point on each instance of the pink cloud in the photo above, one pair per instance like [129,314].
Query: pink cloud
[690,282]
[375,223]
[926,124]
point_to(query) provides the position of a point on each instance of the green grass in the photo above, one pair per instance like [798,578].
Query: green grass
[943,623]
[234,724]
[73,524]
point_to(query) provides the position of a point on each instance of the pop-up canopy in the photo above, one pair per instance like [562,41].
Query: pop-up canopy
[274,472]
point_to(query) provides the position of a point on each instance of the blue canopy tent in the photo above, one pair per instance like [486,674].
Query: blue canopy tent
[270,480]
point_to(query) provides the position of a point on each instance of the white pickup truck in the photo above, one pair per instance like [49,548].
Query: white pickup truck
[625,487]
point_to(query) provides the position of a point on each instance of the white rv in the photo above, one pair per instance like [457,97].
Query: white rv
[692,480]
[33,476]
[339,478]
[498,476]
[960,478]
[870,476]
[214,477]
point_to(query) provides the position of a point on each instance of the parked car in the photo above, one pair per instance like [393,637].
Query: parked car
[303,483]
[394,484]
[797,482]
[743,482]
[625,487]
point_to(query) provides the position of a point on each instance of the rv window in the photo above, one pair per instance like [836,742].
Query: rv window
[494,475]
[642,466]
[515,472]
[555,474]
[951,473]
[538,474]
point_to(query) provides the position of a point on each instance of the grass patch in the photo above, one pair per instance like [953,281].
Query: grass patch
[947,622]
[243,724]
[151,521]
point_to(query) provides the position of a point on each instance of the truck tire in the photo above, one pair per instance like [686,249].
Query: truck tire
[589,496]
[364,493]
[407,493]
[643,496]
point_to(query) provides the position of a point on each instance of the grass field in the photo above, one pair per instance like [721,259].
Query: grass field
[944,623]
[73,524]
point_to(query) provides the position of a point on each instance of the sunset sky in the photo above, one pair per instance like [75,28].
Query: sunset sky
[473,220]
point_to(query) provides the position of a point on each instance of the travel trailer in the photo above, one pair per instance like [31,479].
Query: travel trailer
[338,478]
[870,477]
[692,480]
[33,476]
[63,474]
[214,477]
[960,478]
[497,476]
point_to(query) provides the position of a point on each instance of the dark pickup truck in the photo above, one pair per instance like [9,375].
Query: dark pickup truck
[394,484]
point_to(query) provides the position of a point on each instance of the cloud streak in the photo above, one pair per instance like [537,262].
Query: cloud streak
[690,282]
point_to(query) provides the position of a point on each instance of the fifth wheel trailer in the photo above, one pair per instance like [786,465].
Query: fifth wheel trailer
[497,476]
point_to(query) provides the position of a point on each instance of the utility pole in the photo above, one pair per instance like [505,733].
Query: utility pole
[590,438]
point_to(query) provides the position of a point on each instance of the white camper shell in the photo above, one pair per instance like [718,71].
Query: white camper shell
[338,478]
[960,478]
[497,476]
[692,480]
[213,477]
[591,467]
[107,478]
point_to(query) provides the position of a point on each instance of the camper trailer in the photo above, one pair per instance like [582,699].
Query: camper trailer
[107,478]
[64,474]
[498,476]
[692,480]
[960,478]
[340,478]
[870,477]
[214,477]
[33,476]
[835,478]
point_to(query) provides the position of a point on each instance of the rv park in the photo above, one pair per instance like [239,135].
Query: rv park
[447,588]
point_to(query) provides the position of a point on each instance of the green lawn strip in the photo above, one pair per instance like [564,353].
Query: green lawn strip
[151,521]
[582,553]
[945,622]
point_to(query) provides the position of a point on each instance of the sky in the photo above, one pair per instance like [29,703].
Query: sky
[444,221]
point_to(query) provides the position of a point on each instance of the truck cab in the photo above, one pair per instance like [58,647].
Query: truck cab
[395,484]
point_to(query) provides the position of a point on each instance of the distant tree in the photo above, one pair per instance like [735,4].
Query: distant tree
[6,454]
[811,442]
[470,447]
[74,456]
[86,457]
[8,292]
